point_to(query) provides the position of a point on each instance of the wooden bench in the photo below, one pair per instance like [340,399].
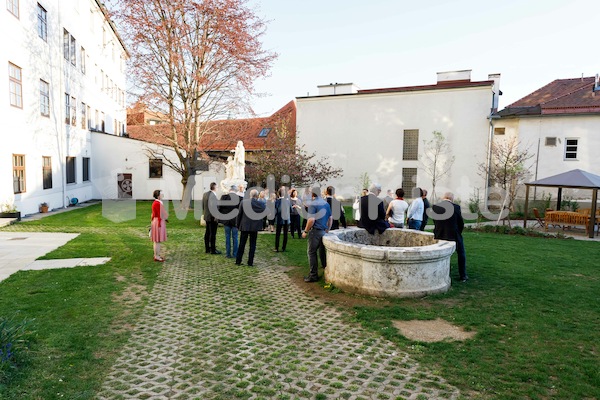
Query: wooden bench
[567,219]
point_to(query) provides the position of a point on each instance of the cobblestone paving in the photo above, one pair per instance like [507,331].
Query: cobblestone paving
[228,332]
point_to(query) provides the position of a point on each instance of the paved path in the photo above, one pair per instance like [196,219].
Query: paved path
[227,332]
[19,250]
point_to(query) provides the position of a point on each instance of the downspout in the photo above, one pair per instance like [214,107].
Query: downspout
[62,135]
[488,162]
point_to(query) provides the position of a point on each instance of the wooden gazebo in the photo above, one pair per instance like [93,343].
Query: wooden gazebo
[575,179]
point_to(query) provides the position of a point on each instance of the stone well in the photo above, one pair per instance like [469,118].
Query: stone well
[397,263]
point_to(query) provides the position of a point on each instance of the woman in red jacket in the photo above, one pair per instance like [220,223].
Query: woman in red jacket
[158,232]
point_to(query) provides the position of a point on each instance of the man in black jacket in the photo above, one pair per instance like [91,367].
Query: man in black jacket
[228,207]
[249,222]
[449,225]
[337,211]
[372,214]
[209,206]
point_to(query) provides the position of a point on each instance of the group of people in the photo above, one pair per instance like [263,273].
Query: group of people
[322,212]
[446,215]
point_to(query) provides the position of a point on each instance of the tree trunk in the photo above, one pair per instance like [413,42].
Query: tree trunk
[188,184]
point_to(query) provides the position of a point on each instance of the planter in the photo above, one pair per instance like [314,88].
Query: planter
[43,209]
[15,214]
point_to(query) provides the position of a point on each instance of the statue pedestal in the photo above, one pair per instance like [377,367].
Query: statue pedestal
[226,184]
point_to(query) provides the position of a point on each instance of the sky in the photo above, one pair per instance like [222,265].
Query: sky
[392,43]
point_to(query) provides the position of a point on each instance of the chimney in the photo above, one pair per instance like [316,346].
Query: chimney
[453,76]
[495,90]
[337,88]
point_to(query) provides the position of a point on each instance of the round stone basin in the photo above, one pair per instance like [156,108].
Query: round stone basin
[397,263]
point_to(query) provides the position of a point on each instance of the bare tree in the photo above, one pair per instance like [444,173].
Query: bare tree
[195,62]
[508,169]
[437,160]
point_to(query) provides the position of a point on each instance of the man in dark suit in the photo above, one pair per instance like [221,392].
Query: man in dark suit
[448,225]
[249,222]
[372,213]
[337,211]
[210,207]
[228,207]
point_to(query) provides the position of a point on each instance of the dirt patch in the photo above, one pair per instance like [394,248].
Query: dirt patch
[342,299]
[436,330]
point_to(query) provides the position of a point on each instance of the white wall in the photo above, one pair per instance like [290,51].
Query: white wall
[115,155]
[364,133]
[29,133]
[550,160]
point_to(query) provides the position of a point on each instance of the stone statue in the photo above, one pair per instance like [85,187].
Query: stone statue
[239,161]
[229,169]
[235,169]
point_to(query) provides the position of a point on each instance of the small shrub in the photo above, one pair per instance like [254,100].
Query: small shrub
[12,344]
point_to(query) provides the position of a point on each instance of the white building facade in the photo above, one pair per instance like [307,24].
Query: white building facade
[381,133]
[559,125]
[66,79]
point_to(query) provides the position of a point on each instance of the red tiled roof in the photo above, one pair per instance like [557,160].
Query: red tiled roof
[562,96]
[223,135]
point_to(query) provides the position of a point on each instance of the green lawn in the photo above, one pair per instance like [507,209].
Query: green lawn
[534,304]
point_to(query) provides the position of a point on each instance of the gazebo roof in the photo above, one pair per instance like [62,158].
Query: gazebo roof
[576,178]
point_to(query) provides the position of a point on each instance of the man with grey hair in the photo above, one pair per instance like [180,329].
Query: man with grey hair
[448,225]
[372,213]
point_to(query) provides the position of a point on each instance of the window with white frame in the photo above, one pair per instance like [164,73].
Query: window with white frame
[42,22]
[15,85]
[83,111]
[44,98]
[69,47]
[18,173]
[73,111]
[13,7]
[571,145]
[82,60]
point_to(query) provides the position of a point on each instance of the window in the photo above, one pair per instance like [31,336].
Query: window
[96,121]
[82,60]
[571,149]
[83,115]
[409,180]
[156,168]
[86,169]
[73,111]
[44,98]
[102,126]
[47,172]
[499,131]
[70,169]
[18,173]
[264,132]
[13,7]
[67,108]
[550,141]
[69,47]
[73,51]
[42,22]
[411,146]
[89,117]
[15,84]
[66,44]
